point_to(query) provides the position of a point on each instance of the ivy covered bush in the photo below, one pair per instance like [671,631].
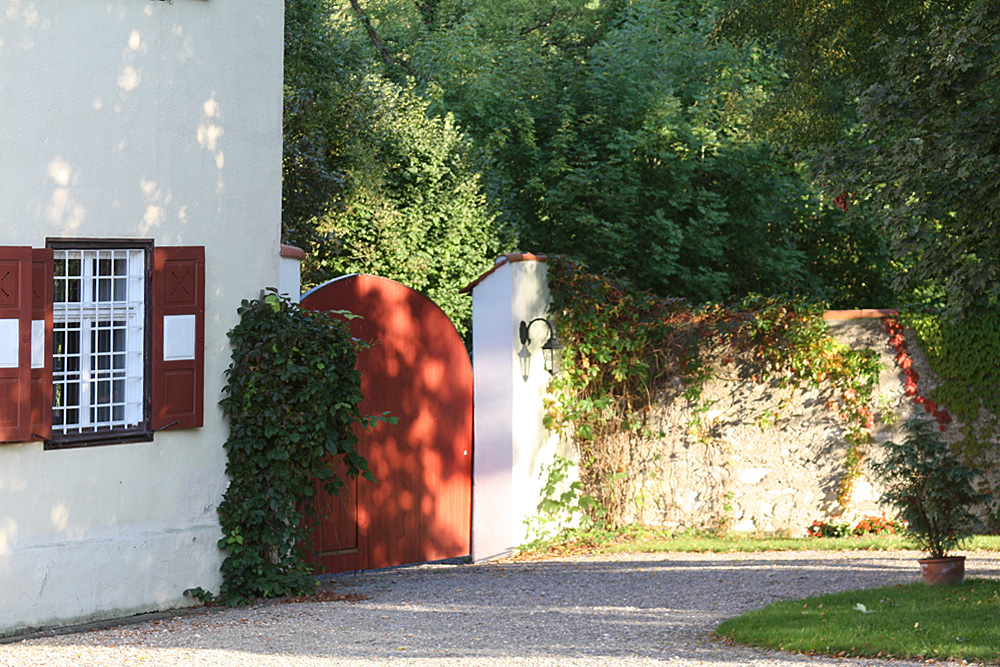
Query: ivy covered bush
[963,354]
[292,397]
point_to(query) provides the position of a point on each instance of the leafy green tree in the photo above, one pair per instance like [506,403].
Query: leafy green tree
[912,145]
[374,180]
[413,210]
[618,134]
[311,181]
[615,132]
[926,161]
[824,48]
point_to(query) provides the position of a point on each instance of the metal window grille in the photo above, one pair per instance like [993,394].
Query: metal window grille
[99,312]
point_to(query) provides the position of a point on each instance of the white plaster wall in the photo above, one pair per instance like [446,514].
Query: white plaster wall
[511,444]
[534,446]
[150,120]
[493,387]
[290,278]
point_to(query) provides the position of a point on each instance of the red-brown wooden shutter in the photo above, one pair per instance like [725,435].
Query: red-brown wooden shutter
[41,343]
[178,363]
[15,337]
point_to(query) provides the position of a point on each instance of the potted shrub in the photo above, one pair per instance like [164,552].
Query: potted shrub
[933,491]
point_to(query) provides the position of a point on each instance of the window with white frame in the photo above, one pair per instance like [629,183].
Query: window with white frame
[99,331]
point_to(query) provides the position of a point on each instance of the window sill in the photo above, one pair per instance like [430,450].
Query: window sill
[99,439]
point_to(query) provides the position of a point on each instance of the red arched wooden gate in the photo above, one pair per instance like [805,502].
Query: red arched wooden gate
[417,368]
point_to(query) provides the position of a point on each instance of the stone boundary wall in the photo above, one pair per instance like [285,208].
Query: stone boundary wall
[772,460]
[774,457]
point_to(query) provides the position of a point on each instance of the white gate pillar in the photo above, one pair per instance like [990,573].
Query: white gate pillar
[511,444]
[289,272]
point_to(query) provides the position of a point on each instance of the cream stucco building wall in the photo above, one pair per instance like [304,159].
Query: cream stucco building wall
[135,119]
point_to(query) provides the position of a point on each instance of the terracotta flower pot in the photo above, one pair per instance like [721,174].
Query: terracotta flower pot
[948,571]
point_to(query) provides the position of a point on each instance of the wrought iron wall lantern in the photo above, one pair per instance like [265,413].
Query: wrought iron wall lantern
[551,349]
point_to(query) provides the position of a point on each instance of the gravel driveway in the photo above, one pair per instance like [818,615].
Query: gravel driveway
[629,609]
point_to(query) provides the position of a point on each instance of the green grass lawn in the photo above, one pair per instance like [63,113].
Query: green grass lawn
[696,542]
[914,621]
[645,540]
[911,621]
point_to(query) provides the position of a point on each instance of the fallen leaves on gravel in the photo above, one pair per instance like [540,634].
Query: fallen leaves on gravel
[323,595]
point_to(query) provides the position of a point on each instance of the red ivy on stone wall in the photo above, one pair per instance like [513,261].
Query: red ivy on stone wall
[898,342]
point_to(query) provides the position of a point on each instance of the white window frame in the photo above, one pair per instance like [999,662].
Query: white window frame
[101,375]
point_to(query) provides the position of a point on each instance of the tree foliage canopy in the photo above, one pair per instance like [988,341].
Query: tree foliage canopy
[926,162]
[619,133]
[423,136]
[375,182]
[916,146]
[825,48]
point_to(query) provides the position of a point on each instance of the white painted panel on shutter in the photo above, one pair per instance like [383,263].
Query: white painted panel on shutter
[9,334]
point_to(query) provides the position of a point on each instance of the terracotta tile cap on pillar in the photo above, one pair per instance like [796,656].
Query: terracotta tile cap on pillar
[292,252]
[859,314]
[508,258]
